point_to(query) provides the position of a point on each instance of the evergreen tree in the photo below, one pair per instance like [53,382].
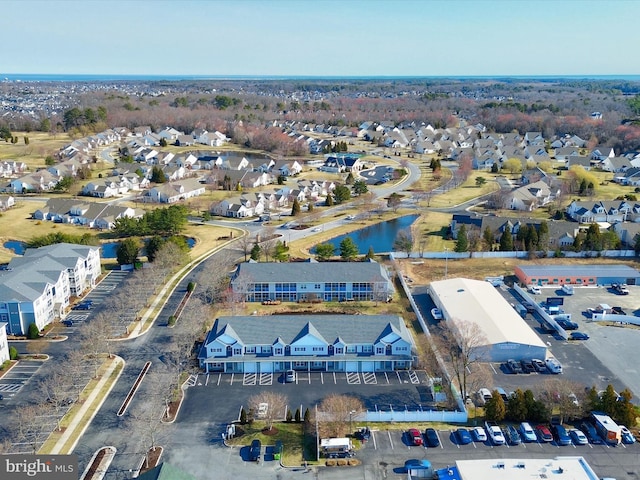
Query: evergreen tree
[295,209]
[255,252]
[33,332]
[487,239]
[163,142]
[243,416]
[289,416]
[297,415]
[128,250]
[349,179]
[281,252]
[495,410]
[329,200]
[506,241]
[348,249]
[324,252]
[310,207]
[462,243]
[517,407]
[609,400]
[371,254]
[307,416]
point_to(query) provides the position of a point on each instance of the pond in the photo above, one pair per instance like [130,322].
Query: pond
[15,245]
[110,249]
[380,236]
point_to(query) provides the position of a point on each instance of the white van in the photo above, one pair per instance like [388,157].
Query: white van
[553,365]
[567,289]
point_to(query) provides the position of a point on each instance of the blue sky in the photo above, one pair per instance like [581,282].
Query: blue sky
[321,37]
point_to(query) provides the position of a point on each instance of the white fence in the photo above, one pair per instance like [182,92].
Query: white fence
[550,254]
[541,311]
[416,416]
[441,364]
[622,319]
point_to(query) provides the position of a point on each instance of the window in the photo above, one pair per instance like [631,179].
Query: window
[317,286]
[299,349]
[318,349]
[338,350]
[351,349]
[367,348]
[237,351]
[250,350]
[379,350]
[277,351]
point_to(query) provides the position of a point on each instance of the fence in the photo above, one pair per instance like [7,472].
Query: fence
[541,311]
[425,329]
[550,254]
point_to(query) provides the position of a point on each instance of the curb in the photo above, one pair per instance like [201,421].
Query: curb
[111,453]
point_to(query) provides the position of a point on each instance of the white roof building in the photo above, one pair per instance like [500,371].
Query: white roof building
[462,300]
[558,468]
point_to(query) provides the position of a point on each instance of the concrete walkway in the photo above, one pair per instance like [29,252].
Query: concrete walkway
[94,400]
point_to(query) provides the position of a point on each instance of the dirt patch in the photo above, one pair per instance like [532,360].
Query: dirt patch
[270,432]
[152,459]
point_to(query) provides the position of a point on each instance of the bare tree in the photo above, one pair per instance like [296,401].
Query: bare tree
[246,244]
[55,390]
[37,347]
[464,345]
[269,406]
[30,426]
[75,369]
[94,340]
[561,395]
[336,414]
[146,416]
[268,243]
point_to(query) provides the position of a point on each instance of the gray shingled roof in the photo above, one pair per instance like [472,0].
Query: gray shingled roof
[321,272]
[264,330]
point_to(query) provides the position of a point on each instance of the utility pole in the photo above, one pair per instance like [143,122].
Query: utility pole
[446,258]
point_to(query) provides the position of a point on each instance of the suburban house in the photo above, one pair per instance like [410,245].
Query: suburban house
[562,154]
[326,343]
[531,196]
[6,201]
[602,211]
[627,232]
[185,141]
[40,181]
[584,162]
[174,191]
[304,281]
[602,153]
[89,214]
[244,178]
[616,164]
[11,168]
[36,287]
[238,207]
[287,168]
[631,176]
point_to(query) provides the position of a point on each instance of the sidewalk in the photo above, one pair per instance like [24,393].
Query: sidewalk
[78,423]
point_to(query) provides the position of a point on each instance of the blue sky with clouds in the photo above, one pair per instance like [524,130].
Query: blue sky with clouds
[321,37]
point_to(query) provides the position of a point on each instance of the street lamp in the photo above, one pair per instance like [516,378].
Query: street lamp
[446,258]
[351,414]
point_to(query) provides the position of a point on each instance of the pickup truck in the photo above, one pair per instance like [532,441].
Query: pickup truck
[495,433]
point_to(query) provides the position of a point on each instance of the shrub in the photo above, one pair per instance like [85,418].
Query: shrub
[342,462]
[243,416]
[191,287]
[33,332]
[289,415]
[13,353]
[330,463]
[5,365]
[172,321]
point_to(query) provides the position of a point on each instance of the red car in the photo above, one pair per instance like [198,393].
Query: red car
[544,434]
[414,436]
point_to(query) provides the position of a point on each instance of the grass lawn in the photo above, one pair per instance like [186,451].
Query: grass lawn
[467,191]
[431,227]
[291,435]
[40,145]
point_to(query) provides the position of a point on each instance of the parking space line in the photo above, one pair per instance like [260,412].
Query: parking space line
[369,378]
[386,376]
[373,437]
[249,379]
[266,378]
[413,376]
[399,378]
[492,368]
[390,439]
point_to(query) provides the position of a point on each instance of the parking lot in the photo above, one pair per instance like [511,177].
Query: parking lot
[15,379]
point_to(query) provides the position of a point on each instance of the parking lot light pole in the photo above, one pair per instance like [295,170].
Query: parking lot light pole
[351,413]
[446,258]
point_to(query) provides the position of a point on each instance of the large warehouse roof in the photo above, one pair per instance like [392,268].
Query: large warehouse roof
[475,301]
[569,468]
[579,270]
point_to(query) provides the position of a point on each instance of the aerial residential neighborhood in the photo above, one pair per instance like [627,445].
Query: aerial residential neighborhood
[276,240]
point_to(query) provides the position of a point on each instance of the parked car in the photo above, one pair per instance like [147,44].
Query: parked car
[567,324]
[528,435]
[539,365]
[495,433]
[290,376]
[254,450]
[620,288]
[617,311]
[567,289]
[82,306]
[431,436]
[535,289]
[463,436]
[544,434]
[577,437]
[484,395]
[414,437]
[436,313]
[527,366]
[479,434]
[513,436]
[513,366]
[591,433]
[503,394]
[560,435]
[530,308]
[67,323]
[363,434]
[1,397]
[578,336]
[627,436]
[553,365]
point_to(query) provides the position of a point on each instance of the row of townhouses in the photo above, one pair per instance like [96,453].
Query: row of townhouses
[36,287]
[329,343]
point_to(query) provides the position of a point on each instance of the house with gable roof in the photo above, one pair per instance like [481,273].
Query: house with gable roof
[326,343]
[532,196]
[173,192]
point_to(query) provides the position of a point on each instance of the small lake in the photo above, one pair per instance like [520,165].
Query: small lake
[16,246]
[380,236]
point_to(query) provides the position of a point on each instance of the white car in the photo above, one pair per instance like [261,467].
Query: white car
[317,229]
[479,434]
[535,289]
[436,313]
[494,431]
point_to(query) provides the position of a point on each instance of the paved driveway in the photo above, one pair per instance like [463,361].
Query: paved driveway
[15,379]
